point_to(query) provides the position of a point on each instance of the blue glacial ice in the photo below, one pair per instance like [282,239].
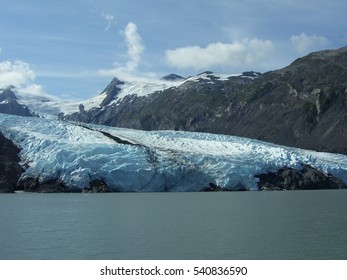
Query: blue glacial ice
[151,161]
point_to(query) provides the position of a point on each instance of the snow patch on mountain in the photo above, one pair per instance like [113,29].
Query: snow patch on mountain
[210,77]
[151,161]
[145,88]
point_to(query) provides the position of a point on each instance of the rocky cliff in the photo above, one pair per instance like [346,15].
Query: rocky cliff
[10,169]
[308,178]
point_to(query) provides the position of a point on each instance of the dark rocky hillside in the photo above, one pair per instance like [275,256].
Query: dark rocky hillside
[9,104]
[308,178]
[303,105]
[10,169]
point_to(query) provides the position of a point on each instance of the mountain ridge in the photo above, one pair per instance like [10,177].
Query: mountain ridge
[301,105]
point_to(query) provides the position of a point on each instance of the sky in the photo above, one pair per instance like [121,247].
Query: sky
[72,49]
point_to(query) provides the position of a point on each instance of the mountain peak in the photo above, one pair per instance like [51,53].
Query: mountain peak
[7,94]
[205,73]
[10,105]
[112,85]
[111,90]
[172,77]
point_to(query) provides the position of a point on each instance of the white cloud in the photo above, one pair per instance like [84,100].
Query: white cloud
[246,52]
[35,91]
[304,43]
[20,75]
[135,48]
[15,73]
[134,45]
[110,19]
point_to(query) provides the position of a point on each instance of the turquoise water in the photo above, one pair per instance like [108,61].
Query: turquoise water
[235,225]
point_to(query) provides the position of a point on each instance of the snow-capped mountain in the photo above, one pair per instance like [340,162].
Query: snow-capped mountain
[48,106]
[302,105]
[135,160]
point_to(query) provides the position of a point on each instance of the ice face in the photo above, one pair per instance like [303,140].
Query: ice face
[151,161]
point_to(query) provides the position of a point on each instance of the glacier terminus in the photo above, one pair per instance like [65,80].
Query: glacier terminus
[131,160]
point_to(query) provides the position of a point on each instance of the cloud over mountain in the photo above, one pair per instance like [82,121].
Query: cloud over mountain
[20,75]
[15,73]
[305,43]
[135,48]
[239,53]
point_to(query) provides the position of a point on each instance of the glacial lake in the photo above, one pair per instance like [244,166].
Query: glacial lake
[233,225]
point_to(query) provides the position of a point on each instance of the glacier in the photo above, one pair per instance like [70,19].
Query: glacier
[141,161]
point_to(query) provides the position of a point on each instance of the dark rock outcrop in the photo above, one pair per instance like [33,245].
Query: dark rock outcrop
[10,169]
[53,186]
[308,178]
[215,188]
[97,186]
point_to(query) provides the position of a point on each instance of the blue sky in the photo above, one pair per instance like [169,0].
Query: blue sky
[72,49]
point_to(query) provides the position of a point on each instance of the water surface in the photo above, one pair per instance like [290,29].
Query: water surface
[234,225]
